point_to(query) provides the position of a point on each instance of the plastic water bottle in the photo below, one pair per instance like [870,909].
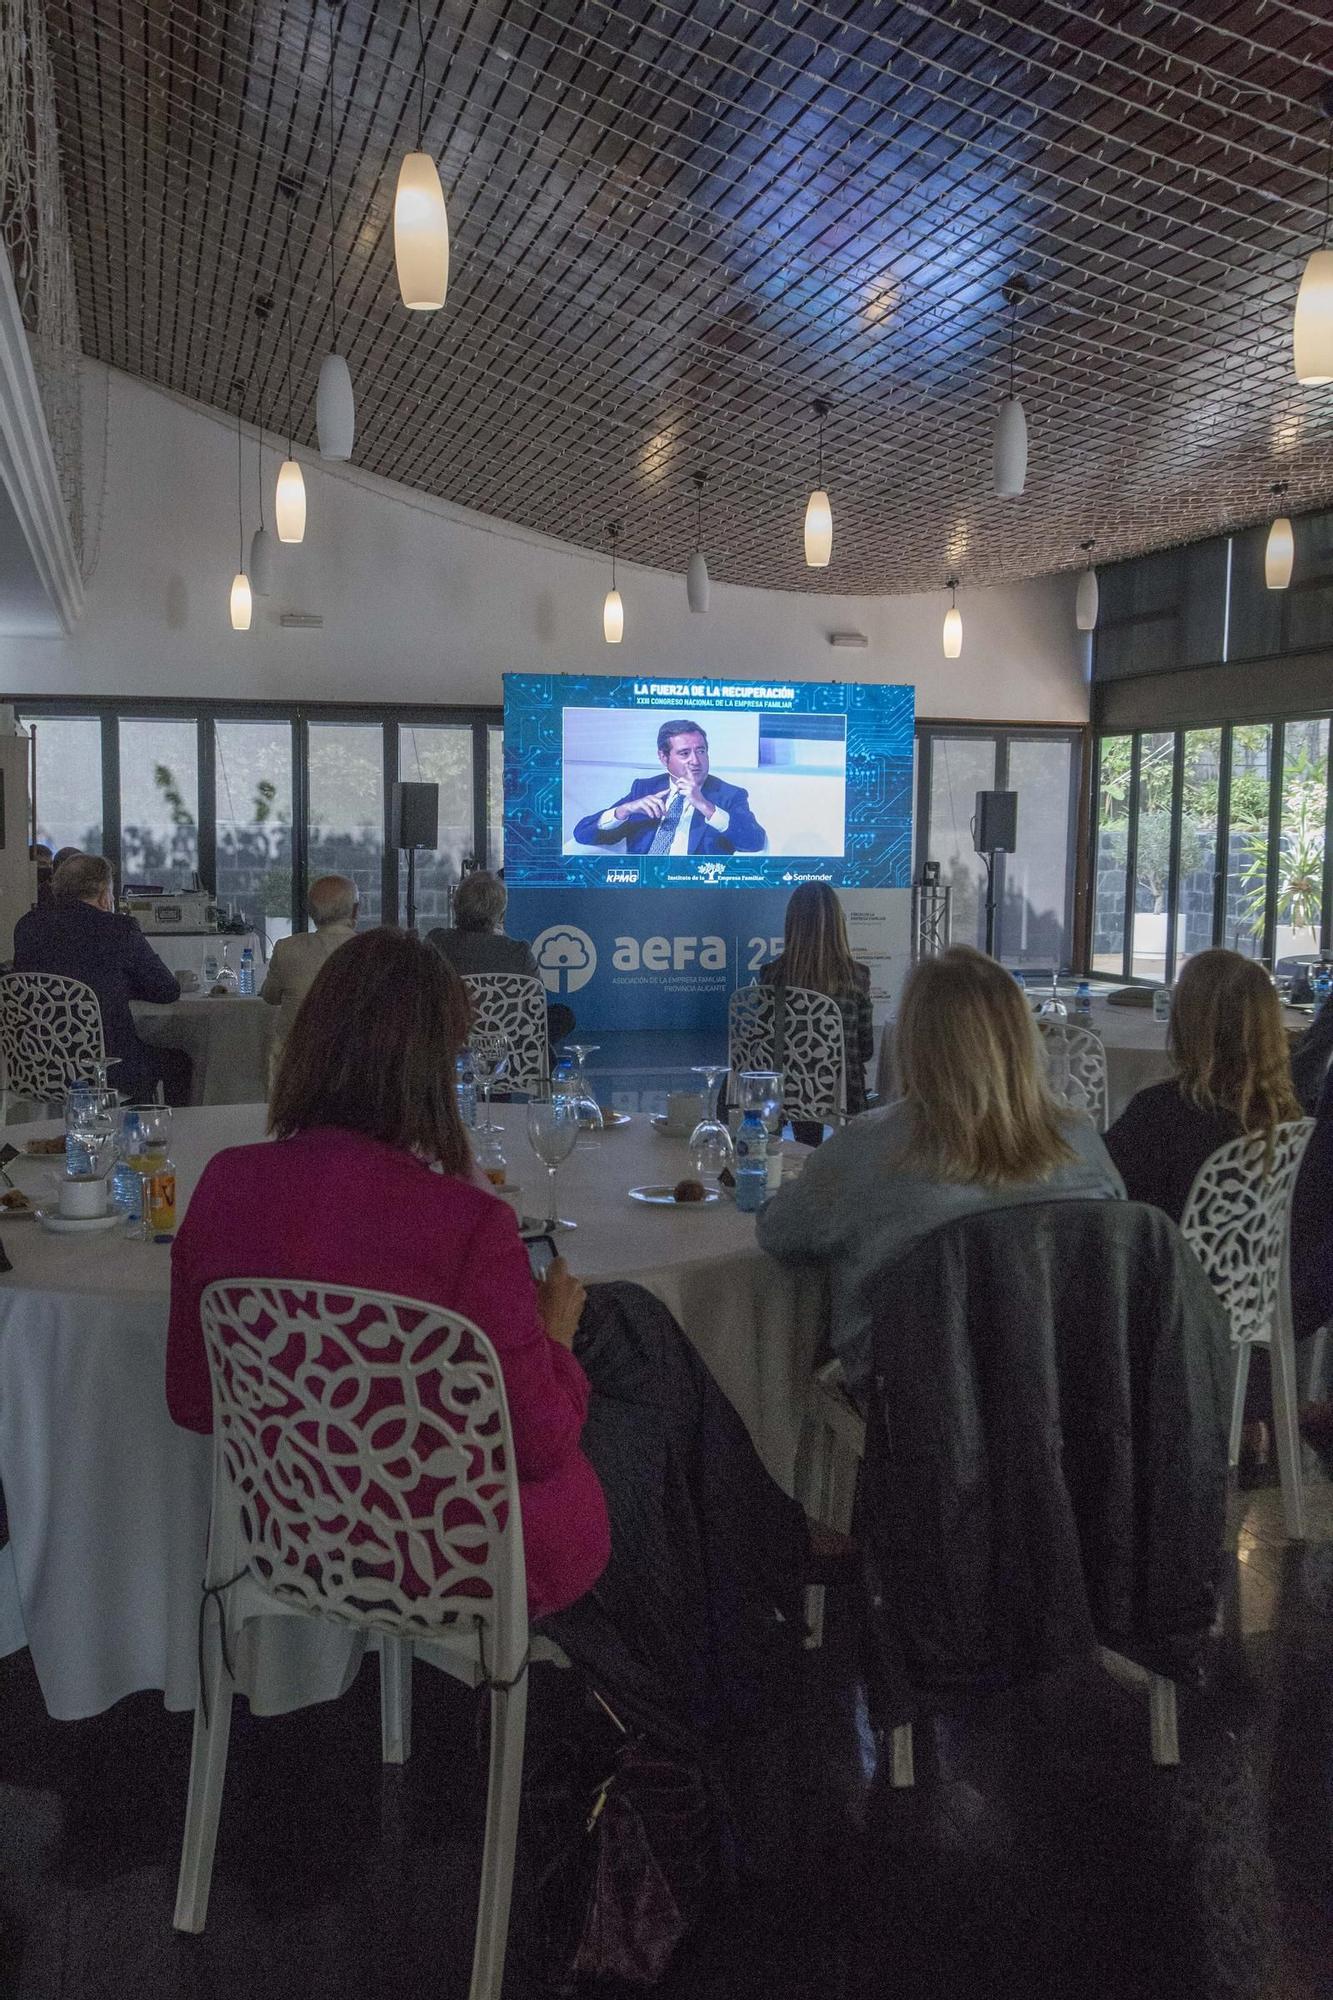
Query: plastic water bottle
[126,1184]
[1020,982]
[1323,984]
[247,984]
[1083,1003]
[751,1163]
[465,1083]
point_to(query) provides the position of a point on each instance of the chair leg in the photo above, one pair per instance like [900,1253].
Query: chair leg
[509,1712]
[395,1699]
[208,1770]
[814,1472]
[1287,1430]
[1239,1382]
[902,1769]
[1162,1735]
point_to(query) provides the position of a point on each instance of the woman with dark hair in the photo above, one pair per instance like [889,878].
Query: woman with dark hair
[815,954]
[659,1552]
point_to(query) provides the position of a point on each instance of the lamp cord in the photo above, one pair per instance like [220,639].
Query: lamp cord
[328,195]
[421,81]
[1013,342]
[287,260]
[1328,183]
[699,518]
[240,503]
[820,480]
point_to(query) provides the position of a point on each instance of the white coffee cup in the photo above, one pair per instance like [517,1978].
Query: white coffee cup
[684,1109]
[83,1198]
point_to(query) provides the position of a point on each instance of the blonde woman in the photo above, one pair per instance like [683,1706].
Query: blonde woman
[974,1127]
[815,954]
[1232,1075]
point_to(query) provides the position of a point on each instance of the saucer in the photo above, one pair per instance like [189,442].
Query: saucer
[658,1122]
[77,1225]
[662,1197]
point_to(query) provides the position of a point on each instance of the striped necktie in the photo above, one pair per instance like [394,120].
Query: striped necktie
[666,831]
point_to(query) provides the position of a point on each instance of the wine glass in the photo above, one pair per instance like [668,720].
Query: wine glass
[553,1130]
[227,978]
[710,1142]
[100,1065]
[490,1049]
[1053,1007]
[589,1110]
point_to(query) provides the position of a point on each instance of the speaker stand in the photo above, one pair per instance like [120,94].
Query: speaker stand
[989,860]
[412,890]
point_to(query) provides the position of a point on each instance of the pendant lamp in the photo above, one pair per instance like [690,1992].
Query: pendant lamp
[696,576]
[1280,550]
[335,405]
[1085,601]
[1312,327]
[289,498]
[1009,439]
[240,583]
[420,220]
[818,513]
[613,610]
[953,623]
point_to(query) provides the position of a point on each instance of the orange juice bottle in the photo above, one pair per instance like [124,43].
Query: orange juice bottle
[161,1201]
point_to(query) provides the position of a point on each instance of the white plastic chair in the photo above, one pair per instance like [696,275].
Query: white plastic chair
[514,1004]
[1238,1222]
[1082,1059]
[50,1035]
[345,1423]
[813,1064]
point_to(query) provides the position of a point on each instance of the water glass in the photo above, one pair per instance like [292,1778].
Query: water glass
[553,1131]
[589,1110]
[490,1050]
[710,1142]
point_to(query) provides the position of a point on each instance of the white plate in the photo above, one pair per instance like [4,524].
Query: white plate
[77,1225]
[613,1120]
[17,1214]
[662,1197]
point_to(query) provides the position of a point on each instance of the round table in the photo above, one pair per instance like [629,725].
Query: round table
[108,1499]
[227,1040]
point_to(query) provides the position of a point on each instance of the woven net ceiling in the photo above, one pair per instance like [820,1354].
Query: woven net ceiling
[674,225]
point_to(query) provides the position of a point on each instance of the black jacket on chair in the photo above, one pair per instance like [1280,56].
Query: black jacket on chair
[1046,1450]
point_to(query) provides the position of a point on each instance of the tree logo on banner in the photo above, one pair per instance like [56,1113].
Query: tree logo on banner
[566,958]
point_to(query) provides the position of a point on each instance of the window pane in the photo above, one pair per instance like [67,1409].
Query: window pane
[159,801]
[443,757]
[69,781]
[1108,888]
[346,779]
[1198,842]
[960,767]
[1300,880]
[254,822]
[1152,853]
[495,799]
[1034,920]
[1247,843]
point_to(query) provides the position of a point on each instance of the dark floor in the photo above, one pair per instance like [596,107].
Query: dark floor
[1041,1855]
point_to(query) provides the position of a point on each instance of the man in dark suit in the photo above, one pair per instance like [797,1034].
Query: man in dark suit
[79,935]
[685,811]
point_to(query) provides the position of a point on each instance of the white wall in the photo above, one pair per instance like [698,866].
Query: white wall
[426,602]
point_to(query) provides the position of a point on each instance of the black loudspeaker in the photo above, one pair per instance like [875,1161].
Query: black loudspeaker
[997,822]
[414,816]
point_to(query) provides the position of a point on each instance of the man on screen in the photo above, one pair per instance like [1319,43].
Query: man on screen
[683,812]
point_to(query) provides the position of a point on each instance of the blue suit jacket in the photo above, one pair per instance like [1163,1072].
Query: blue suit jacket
[111,954]
[744,835]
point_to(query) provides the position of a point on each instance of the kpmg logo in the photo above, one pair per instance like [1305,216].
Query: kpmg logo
[617,876]
[566,958]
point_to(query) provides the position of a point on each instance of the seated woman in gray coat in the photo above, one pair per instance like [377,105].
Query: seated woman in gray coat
[975,1127]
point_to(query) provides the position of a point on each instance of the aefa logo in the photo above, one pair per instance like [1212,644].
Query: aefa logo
[566,958]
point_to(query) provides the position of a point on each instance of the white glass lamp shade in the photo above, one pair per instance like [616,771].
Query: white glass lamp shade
[953,633]
[260,570]
[1279,554]
[241,606]
[421,234]
[1009,445]
[1085,603]
[1312,332]
[696,582]
[818,530]
[289,502]
[613,618]
[335,408]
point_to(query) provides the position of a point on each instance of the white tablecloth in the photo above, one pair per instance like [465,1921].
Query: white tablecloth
[227,1041]
[108,1500]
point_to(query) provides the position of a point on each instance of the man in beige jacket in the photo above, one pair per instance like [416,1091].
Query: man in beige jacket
[297,959]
